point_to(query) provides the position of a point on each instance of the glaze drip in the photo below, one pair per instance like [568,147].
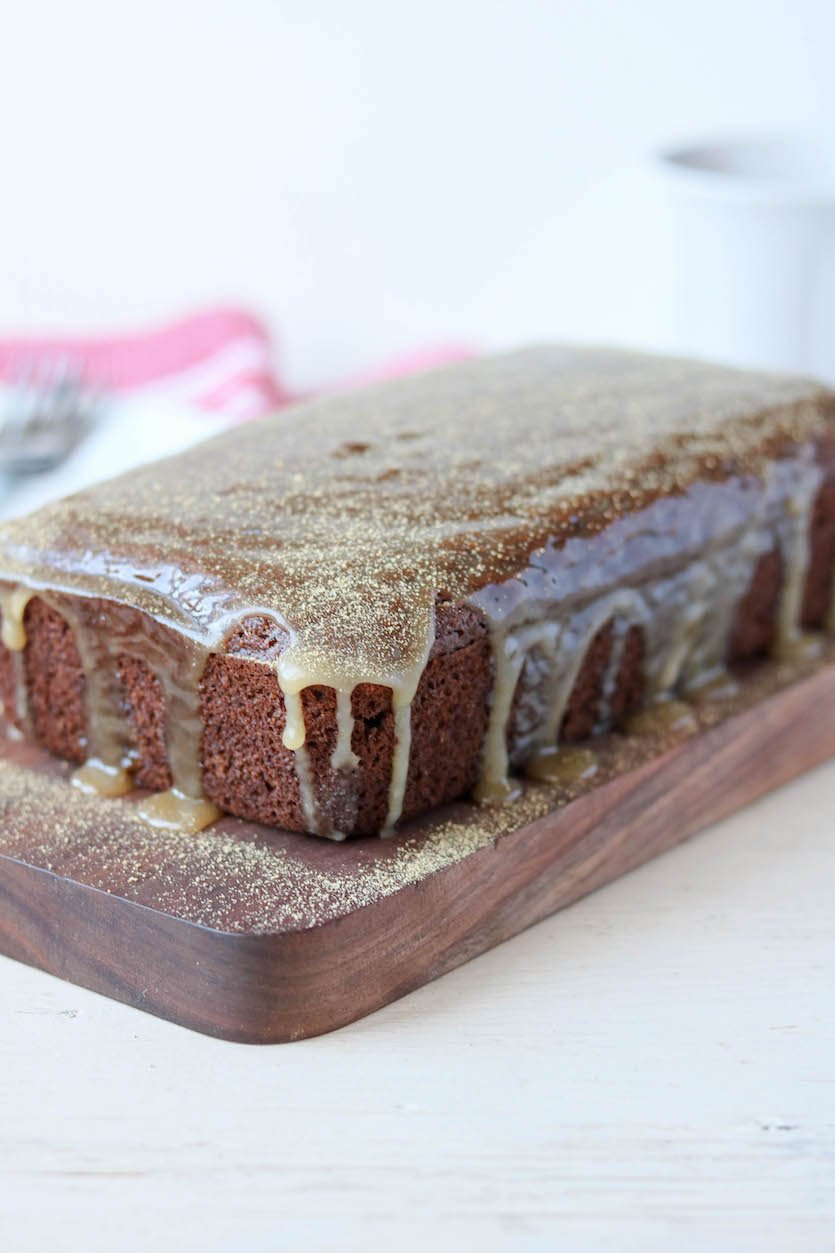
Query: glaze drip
[344,757]
[13,602]
[562,765]
[174,811]
[98,779]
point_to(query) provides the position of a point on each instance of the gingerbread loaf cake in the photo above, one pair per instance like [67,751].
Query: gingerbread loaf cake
[369,605]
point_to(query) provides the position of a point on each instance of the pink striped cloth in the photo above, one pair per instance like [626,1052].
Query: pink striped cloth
[220,361]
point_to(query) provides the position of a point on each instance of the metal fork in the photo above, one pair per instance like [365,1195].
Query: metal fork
[47,412]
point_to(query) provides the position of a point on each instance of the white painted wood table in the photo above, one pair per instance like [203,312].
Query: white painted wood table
[653,1069]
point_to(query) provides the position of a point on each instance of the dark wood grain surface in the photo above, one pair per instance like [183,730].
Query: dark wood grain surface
[262,936]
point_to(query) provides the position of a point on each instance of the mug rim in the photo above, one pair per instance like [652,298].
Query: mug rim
[747,167]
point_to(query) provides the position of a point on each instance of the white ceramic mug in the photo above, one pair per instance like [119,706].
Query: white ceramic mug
[754,259]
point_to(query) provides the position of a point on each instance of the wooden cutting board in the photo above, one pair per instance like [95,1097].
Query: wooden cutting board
[264,936]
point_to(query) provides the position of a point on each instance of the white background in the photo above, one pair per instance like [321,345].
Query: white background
[374,174]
